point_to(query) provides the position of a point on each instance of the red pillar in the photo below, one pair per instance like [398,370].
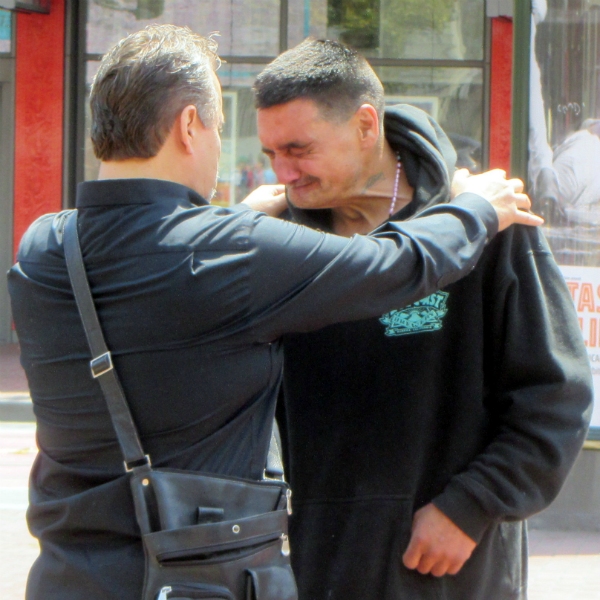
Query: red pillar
[501,93]
[39,102]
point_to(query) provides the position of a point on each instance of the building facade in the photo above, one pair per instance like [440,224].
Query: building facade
[514,87]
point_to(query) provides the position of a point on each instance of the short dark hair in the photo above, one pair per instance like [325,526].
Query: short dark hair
[333,75]
[143,83]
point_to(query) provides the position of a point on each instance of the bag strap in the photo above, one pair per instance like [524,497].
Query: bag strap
[103,370]
[101,364]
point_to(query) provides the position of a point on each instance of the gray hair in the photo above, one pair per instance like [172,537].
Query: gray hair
[144,82]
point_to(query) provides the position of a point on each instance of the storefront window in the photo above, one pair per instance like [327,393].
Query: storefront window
[453,97]
[399,29]
[384,30]
[564,151]
[243,166]
[5,31]
[245,28]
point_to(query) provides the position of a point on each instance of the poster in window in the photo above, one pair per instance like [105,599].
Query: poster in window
[564,152]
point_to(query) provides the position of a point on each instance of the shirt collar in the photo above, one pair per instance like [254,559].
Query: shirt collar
[111,192]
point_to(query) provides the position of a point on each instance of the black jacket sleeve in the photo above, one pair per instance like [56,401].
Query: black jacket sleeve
[539,389]
[302,280]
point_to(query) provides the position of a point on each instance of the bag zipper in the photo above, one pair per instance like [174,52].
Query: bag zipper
[198,592]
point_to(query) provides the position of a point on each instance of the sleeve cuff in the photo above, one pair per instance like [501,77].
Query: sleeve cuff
[483,208]
[463,510]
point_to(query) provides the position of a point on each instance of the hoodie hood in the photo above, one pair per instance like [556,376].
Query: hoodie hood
[428,159]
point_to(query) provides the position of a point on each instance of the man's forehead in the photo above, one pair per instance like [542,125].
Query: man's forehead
[293,123]
[299,108]
[283,141]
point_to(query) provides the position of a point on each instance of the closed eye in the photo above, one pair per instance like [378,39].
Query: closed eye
[299,152]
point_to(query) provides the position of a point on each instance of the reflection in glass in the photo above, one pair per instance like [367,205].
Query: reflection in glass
[439,29]
[5,31]
[564,136]
[243,166]
[453,97]
[245,28]
[564,153]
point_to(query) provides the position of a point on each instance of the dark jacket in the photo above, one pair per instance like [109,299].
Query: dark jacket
[193,300]
[476,398]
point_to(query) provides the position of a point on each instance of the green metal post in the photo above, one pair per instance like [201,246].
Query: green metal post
[520,88]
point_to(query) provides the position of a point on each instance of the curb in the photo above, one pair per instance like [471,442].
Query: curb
[16,408]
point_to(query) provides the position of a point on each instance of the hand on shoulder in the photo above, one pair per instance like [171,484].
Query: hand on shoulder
[269,199]
[505,195]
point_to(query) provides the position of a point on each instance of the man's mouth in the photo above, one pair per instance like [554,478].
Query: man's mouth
[303,183]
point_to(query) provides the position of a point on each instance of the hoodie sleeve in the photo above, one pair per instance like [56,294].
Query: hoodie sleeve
[539,389]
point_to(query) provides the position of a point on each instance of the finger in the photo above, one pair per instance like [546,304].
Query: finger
[526,218]
[412,556]
[461,174]
[457,561]
[523,201]
[439,565]
[455,567]
[278,190]
[441,568]
[426,564]
[500,172]
[517,185]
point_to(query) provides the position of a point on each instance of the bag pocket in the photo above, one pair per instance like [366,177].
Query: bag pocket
[189,591]
[220,554]
[213,542]
[210,556]
[271,583]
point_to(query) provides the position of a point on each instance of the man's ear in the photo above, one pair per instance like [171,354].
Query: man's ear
[368,125]
[187,124]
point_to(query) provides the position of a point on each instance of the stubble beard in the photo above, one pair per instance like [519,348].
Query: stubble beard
[318,198]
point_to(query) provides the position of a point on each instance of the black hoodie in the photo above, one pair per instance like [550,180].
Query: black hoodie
[476,398]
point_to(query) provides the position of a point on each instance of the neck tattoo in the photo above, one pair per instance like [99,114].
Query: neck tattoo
[396,184]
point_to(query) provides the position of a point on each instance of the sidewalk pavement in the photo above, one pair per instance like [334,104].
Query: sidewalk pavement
[15,404]
[562,565]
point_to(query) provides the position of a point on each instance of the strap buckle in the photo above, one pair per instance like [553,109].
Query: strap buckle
[142,462]
[101,364]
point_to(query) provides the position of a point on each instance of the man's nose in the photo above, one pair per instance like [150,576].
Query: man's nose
[285,169]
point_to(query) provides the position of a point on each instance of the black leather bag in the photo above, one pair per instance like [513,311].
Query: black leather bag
[212,537]
[204,536]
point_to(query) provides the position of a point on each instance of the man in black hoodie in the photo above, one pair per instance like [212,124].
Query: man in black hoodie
[419,441]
